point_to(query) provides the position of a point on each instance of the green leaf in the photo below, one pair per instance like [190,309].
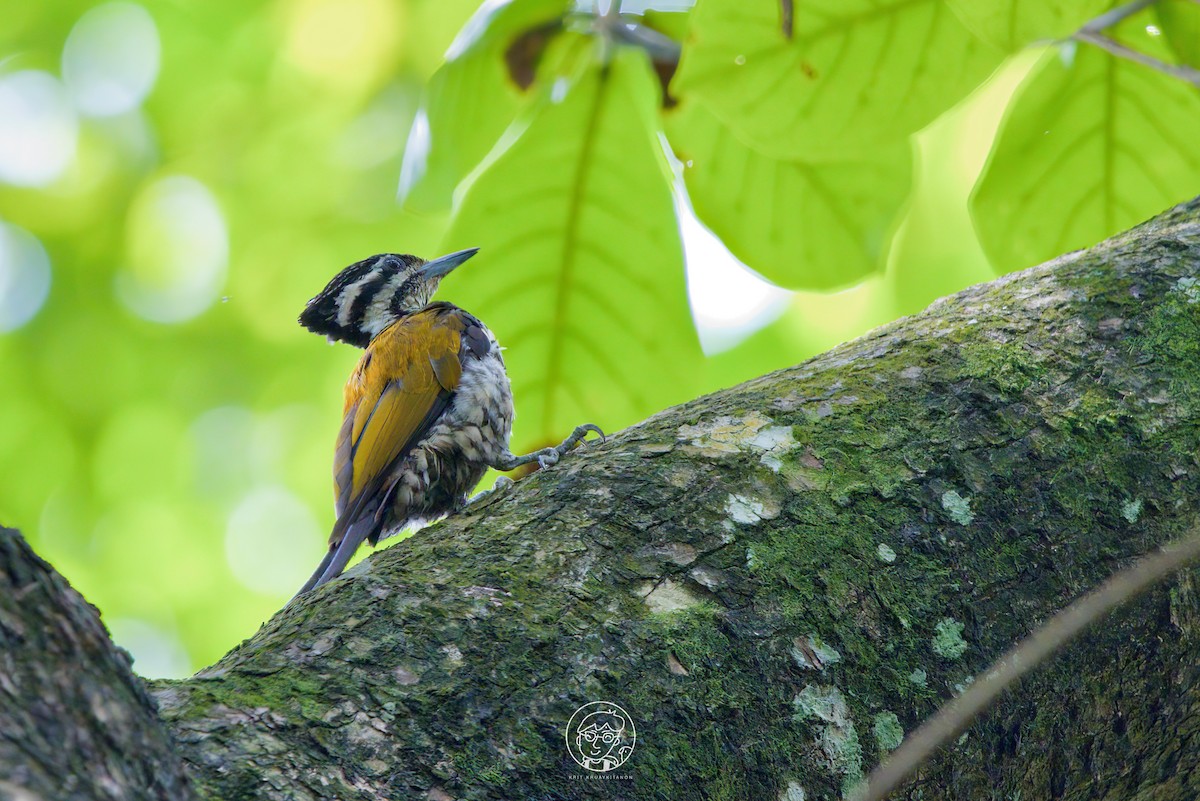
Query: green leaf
[1013,24]
[581,275]
[1180,23]
[670,23]
[471,99]
[854,74]
[1089,146]
[799,224]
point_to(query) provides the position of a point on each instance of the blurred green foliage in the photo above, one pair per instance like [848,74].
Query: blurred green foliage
[177,179]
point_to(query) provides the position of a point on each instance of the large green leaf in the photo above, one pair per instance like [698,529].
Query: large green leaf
[1012,24]
[853,75]
[581,274]
[1180,23]
[471,99]
[800,224]
[1090,145]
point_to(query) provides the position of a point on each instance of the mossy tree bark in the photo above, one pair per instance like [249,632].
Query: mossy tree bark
[778,580]
[74,720]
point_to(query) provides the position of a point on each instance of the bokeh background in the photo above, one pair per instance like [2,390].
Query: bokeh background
[176,180]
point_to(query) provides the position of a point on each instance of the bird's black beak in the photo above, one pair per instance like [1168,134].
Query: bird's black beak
[440,267]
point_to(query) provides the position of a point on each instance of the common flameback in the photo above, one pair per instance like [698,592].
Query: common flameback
[427,410]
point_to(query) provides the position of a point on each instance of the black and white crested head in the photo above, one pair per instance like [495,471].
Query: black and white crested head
[371,294]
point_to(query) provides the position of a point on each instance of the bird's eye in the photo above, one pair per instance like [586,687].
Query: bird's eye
[392,262]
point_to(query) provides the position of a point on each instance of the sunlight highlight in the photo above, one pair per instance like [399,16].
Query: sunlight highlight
[24,276]
[38,128]
[272,541]
[476,26]
[729,300]
[157,654]
[346,42]
[177,249]
[416,154]
[111,59]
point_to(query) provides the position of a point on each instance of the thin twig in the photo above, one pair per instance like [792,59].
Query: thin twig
[1119,50]
[607,24]
[660,46]
[1024,657]
[1111,18]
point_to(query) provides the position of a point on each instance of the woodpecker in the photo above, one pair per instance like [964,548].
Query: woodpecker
[427,410]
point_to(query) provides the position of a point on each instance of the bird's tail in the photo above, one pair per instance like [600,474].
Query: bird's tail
[320,571]
[343,542]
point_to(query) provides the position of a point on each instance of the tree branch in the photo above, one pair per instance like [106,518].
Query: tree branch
[775,582]
[1116,15]
[75,723]
[1064,627]
[1119,50]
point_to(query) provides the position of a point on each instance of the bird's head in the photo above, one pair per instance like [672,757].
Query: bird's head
[371,294]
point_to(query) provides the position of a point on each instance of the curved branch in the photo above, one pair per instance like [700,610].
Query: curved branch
[775,582]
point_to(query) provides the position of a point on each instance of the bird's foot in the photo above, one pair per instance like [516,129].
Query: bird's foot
[578,436]
[548,457]
[502,483]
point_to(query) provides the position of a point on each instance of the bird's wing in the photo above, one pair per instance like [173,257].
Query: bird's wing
[343,463]
[401,386]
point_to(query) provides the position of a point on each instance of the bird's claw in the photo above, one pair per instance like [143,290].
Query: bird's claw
[579,437]
[548,457]
[502,483]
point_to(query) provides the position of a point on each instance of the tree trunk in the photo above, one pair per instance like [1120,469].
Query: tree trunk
[774,582]
[74,720]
